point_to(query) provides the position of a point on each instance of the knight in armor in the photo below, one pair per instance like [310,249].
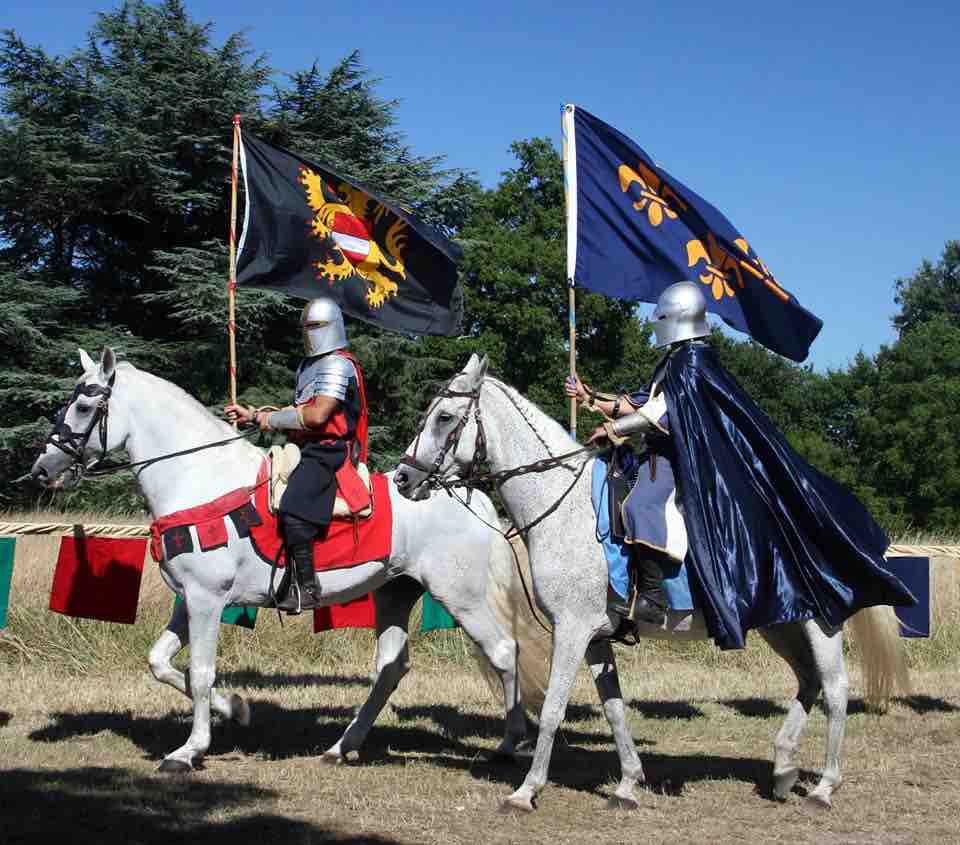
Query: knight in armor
[623,547]
[767,539]
[327,420]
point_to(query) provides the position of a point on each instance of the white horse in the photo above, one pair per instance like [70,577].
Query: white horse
[570,584]
[118,405]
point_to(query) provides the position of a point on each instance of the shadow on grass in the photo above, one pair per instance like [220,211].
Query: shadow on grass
[457,724]
[5,718]
[280,734]
[666,709]
[927,704]
[277,733]
[111,805]
[755,708]
[253,679]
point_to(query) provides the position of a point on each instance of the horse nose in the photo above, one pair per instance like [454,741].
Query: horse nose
[400,479]
[38,475]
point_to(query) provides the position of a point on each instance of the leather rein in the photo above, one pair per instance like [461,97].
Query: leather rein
[75,443]
[472,477]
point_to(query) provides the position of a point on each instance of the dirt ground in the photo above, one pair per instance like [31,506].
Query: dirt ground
[79,753]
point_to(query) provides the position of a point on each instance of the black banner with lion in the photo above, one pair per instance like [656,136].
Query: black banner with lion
[310,232]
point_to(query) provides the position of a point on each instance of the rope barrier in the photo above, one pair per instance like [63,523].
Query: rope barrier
[898,550]
[111,530]
[22,529]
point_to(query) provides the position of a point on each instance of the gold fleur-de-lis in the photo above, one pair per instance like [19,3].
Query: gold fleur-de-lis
[655,196]
[720,268]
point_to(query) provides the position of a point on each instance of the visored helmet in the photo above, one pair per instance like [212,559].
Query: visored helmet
[323,329]
[681,314]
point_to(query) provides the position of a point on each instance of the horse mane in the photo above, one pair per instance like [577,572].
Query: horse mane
[538,419]
[178,394]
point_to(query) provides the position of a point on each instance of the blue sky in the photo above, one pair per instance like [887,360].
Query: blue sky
[829,133]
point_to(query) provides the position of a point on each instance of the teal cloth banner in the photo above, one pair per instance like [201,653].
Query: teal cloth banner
[245,617]
[435,616]
[7,545]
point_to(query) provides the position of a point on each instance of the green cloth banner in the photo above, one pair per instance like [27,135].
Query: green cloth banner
[435,616]
[245,617]
[7,545]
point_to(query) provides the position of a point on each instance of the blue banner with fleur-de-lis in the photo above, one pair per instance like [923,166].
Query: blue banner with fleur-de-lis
[639,230]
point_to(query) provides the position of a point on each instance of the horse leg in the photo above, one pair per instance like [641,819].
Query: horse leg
[168,644]
[791,644]
[603,667]
[479,623]
[393,603]
[827,648]
[570,639]
[204,609]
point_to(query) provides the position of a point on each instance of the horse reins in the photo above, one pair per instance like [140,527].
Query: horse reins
[453,438]
[74,443]
[472,479]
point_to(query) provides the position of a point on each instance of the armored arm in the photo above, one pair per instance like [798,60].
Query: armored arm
[636,423]
[287,419]
[329,376]
[642,421]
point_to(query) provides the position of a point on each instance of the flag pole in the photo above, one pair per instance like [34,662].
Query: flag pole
[570,195]
[232,284]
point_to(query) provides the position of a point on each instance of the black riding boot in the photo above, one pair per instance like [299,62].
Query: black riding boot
[302,593]
[304,585]
[651,603]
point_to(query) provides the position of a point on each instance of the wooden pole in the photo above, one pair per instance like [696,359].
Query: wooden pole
[232,284]
[570,198]
[572,308]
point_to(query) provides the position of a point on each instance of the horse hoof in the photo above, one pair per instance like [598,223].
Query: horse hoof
[783,783]
[818,801]
[171,766]
[515,805]
[332,758]
[619,802]
[239,711]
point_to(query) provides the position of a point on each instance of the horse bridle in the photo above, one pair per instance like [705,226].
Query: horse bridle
[453,438]
[74,443]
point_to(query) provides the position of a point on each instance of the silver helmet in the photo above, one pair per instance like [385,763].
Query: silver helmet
[681,314]
[322,324]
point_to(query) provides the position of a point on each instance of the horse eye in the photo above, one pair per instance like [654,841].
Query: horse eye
[444,417]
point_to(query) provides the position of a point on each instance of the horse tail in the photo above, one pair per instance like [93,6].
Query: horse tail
[876,631]
[507,599]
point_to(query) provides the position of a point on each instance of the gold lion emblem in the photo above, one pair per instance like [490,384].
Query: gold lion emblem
[346,220]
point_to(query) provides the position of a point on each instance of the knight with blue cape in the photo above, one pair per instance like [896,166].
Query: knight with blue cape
[769,539]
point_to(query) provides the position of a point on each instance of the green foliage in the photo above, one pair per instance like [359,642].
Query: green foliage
[933,290]
[910,435]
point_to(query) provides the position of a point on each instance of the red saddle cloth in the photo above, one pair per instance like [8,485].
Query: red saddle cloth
[347,543]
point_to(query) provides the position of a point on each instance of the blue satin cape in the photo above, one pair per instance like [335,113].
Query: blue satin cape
[771,539]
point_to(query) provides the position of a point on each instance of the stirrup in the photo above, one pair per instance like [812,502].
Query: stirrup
[292,602]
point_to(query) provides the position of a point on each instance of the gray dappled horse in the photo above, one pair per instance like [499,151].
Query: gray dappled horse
[570,583]
[118,405]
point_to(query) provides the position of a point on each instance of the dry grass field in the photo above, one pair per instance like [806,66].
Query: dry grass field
[83,727]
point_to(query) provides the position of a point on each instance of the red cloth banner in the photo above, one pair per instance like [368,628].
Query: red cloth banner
[98,578]
[358,613]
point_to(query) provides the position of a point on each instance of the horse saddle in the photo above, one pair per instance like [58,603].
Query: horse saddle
[354,491]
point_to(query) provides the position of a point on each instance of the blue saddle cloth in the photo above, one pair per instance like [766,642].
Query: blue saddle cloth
[676,582]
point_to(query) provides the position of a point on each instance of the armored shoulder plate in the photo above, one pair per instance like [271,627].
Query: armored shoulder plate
[326,375]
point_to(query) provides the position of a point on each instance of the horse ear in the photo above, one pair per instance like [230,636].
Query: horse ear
[108,363]
[86,361]
[472,363]
[482,365]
